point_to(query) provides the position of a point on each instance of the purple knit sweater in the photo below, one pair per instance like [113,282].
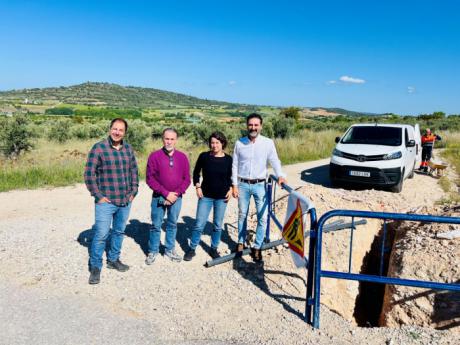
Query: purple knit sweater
[166,175]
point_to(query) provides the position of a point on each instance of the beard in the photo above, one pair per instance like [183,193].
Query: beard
[253,134]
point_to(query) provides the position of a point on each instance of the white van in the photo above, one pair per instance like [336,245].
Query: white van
[376,155]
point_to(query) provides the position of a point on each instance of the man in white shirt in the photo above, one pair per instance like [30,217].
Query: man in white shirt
[249,172]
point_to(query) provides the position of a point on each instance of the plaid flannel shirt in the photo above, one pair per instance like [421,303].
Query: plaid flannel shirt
[112,173]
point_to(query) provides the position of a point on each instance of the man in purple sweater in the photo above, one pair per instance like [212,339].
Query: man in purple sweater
[168,175]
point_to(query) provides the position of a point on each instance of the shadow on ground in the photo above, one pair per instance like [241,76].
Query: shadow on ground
[184,237]
[139,232]
[258,275]
[318,175]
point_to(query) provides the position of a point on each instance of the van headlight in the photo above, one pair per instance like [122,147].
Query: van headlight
[394,155]
[337,153]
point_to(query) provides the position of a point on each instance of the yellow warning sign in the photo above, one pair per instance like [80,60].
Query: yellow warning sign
[293,231]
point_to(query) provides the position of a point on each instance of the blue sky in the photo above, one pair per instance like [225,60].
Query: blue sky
[373,56]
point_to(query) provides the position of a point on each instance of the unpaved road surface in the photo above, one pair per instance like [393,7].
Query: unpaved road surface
[45,297]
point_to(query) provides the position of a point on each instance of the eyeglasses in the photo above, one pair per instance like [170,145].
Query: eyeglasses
[171,161]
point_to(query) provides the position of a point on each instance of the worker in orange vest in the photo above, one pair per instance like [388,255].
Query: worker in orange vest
[428,140]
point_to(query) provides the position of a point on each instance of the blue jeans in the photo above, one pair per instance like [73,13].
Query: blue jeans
[108,215]
[157,213]
[202,214]
[257,190]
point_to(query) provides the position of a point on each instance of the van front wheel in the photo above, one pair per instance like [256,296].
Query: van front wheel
[398,187]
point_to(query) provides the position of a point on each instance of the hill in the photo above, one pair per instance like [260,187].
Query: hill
[107,94]
[114,95]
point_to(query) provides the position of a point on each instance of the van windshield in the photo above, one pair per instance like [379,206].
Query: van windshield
[373,135]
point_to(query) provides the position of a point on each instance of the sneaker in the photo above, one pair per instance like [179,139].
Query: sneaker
[214,253]
[151,258]
[173,255]
[117,265]
[256,254]
[95,276]
[189,255]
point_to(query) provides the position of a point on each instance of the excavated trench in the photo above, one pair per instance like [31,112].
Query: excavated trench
[358,302]
[411,250]
[369,301]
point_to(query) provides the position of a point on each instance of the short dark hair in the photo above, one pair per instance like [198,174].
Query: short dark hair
[119,119]
[254,116]
[169,129]
[219,136]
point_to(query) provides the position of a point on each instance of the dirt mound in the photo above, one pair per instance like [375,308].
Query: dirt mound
[341,295]
[420,252]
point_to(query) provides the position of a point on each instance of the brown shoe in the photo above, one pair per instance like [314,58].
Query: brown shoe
[239,248]
[256,254]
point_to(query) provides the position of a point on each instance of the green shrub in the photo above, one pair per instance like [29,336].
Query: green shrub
[16,136]
[283,127]
[199,133]
[267,129]
[88,131]
[291,113]
[156,132]
[60,131]
[137,133]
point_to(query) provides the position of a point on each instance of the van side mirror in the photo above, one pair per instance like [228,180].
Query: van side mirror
[410,143]
[337,139]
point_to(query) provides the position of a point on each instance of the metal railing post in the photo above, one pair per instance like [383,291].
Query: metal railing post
[311,267]
[269,211]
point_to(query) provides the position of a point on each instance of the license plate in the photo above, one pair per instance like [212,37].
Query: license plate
[360,173]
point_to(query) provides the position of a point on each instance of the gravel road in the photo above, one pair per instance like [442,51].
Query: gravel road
[45,297]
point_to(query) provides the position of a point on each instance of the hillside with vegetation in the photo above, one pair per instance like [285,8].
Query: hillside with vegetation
[48,132]
[107,94]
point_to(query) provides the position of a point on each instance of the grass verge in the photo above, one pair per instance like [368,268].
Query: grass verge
[451,153]
[55,165]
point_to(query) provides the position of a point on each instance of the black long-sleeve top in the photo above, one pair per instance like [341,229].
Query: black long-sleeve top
[217,174]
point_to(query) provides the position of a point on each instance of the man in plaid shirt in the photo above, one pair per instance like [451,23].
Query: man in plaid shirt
[111,176]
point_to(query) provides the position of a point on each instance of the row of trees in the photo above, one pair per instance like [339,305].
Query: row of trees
[19,132]
[95,112]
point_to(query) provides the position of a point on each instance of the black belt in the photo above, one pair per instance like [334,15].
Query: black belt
[244,180]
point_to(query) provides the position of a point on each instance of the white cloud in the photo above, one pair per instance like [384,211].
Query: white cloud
[347,79]
[331,82]
[410,89]
[232,82]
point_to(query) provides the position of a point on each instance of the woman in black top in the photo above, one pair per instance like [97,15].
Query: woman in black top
[213,192]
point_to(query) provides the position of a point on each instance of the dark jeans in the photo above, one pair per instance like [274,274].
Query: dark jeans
[426,153]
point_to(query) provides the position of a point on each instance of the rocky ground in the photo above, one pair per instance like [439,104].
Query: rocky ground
[424,252]
[45,298]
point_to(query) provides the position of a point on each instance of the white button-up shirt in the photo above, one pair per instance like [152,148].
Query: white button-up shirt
[250,159]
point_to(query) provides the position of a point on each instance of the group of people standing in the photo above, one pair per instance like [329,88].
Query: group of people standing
[111,176]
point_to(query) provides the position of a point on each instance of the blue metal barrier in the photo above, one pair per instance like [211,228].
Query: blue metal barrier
[271,190]
[271,205]
[317,248]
